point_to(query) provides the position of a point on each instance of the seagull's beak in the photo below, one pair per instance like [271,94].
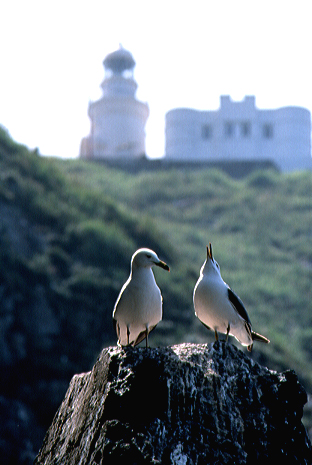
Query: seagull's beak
[209,251]
[162,265]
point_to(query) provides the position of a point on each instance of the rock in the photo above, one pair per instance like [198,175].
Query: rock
[185,404]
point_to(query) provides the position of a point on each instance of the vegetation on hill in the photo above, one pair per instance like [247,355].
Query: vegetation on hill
[69,228]
[261,231]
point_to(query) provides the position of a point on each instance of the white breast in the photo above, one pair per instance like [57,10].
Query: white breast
[139,305]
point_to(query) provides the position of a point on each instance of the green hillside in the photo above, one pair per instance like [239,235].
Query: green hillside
[69,228]
[261,231]
[71,242]
[260,227]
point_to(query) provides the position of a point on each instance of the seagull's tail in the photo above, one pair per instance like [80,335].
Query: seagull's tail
[258,337]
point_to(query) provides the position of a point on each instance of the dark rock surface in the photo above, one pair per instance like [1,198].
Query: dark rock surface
[185,404]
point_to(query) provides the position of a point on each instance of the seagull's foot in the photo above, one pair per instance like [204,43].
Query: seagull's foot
[227,332]
[216,335]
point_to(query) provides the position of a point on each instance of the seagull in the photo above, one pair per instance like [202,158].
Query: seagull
[138,308]
[219,308]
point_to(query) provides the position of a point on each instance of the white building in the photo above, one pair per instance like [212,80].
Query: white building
[118,119]
[240,131]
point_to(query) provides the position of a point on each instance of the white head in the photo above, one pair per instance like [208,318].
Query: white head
[146,258]
[210,265]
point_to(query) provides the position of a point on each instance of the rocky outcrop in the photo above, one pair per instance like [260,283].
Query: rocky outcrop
[185,404]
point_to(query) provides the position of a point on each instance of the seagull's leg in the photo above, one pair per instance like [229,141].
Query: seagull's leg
[146,340]
[216,335]
[118,334]
[227,332]
[128,335]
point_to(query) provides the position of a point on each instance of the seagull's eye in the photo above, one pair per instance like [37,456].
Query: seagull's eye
[148,256]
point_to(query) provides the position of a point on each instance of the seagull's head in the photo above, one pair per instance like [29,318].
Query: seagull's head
[210,263]
[146,258]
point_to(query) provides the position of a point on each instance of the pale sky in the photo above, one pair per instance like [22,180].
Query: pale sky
[187,54]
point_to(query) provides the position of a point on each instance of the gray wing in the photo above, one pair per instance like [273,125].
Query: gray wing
[239,306]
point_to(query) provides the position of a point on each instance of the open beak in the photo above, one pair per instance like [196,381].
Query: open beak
[209,251]
[162,265]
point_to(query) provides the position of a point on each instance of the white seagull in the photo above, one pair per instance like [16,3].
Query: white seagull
[138,308]
[219,308]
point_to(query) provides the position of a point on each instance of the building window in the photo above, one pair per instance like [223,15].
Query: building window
[206,131]
[246,128]
[267,131]
[229,129]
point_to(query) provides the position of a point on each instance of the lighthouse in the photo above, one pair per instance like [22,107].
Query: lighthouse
[117,119]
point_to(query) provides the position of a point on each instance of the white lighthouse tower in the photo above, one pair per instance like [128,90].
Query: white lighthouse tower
[118,119]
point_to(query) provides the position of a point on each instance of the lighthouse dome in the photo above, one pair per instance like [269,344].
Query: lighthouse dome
[119,61]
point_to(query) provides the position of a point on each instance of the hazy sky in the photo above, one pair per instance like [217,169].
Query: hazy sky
[188,53]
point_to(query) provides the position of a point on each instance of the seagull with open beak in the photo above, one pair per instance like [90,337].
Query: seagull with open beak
[219,308]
